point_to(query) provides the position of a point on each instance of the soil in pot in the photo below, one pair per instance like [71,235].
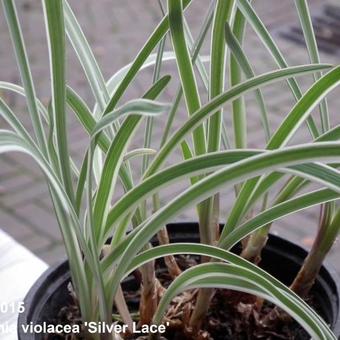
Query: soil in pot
[226,319]
[231,315]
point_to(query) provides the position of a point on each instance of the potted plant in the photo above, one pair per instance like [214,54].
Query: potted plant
[126,276]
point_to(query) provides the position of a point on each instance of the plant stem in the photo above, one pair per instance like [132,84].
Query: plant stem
[328,230]
[163,238]
[151,290]
[209,210]
[255,244]
[257,241]
[252,246]
[326,236]
[169,260]
[149,298]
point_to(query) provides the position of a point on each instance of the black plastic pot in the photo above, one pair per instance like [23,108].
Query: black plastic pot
[281,258]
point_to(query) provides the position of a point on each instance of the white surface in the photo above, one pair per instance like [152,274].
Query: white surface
[19,269]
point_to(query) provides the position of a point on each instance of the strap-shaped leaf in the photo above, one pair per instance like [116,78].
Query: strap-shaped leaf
[71,231]
[142,107]
[88,121]
[278,211]
[293,186]
[208,109]
[308,32]
[185,69]
[235,77]
[104,306]
[228,176]
[251,17]
[115,155]
[25,72]
[203,165]
[289,126]
[139,152]
[85,56]
[53,11]
[303,108]
[191,167]
[195,48]
[148,47]
[228,276]
[224,11]
[240,57]
[20,90]
[222,255]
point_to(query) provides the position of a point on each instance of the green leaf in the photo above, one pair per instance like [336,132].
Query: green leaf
[149,120]
[208,109]
[295,184]
[227,276]
[276,212]
[308,32]
[242,60]
[115,154]
[142,107]
[25,72]
[189,168]
[235,78]
[205,164]
[105,310]
[88,121]
[86,57]
[185,69]
[141,57]
[223,13]
[227,176]
[194,51]
[111,167]
[53,11]
[115,80]
[270,44]
[210,208]
[303,108]
[139,152]
[85,117]
[289,126]
[292,186]
[81,184]
[10,142]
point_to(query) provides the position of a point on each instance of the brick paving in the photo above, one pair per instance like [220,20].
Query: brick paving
[116,31]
